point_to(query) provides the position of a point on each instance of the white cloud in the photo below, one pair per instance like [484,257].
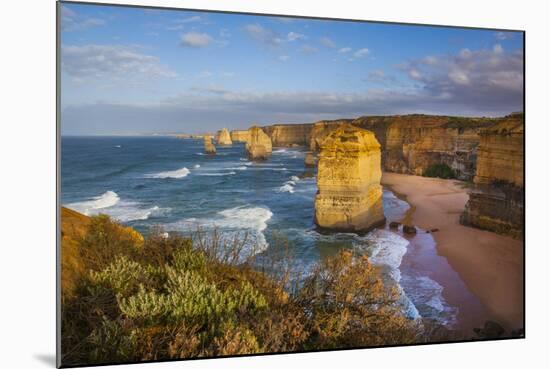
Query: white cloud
[293,36]
[497,49]
[308,49]
[72,21]
[283,58]
[492,78]
[263,35]
[361,52]
[192,19]
[503,35]
[110,61]
[344,50]
[195,39]
[325,41]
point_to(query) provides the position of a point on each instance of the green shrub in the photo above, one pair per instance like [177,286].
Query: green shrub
[440,170]
[164,297]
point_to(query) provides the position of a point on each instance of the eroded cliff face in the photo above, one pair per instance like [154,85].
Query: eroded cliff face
[259,145]
[224,138]
[209,147]
[349,172]
[410,143]
[239,135]
[497,201]
[289,134]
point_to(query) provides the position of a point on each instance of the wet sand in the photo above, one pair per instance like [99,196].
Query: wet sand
[490,265]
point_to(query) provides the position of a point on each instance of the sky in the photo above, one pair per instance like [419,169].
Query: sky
[140,71]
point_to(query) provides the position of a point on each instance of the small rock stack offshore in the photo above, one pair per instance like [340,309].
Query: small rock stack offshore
[348,177]
[258,145]
[224,138]
[209,147]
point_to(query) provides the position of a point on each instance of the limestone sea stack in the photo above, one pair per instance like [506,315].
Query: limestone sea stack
[209,147]
[224,138]
[349,172]
[258,145]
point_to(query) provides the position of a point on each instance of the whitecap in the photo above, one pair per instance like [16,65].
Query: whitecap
[244,223]
[107,199]
[294,178]
[110,203]
[178,173]
[196,166]
[217,174]
[118,146]
[286,188]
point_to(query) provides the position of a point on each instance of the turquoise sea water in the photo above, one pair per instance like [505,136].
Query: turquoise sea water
[164,181]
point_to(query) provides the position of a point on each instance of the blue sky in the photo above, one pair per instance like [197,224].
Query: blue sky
[135,70]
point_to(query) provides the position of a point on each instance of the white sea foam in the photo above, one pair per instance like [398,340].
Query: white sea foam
[387,249]
[294,178]
[217,174]
[110,203]
[118,146]
[179,173]
[244,223]
[286,188]
[103,201]
[197,166]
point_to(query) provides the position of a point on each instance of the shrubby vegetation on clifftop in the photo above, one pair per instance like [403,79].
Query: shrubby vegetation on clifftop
[126,298]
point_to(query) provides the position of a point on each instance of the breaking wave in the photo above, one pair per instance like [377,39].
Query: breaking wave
[179,173]
[110,203]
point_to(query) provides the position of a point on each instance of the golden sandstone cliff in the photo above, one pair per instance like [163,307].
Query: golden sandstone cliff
[289,134]
[259,145]
[209,147]
[239,135]
[349,172]
[224,138]
[497,201]
[410,144]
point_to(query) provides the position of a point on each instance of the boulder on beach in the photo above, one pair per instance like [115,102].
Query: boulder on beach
[394,225]
[409,229]
[348,177]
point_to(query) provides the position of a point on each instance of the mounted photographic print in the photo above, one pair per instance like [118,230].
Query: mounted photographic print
[243,184]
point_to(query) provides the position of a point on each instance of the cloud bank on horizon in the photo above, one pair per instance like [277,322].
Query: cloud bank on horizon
[135,70]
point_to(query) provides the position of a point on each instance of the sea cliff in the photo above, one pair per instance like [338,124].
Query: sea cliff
[497,201]
[410,144]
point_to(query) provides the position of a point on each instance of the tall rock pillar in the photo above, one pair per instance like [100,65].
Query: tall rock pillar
[349,172]
[258,145]
[224,138]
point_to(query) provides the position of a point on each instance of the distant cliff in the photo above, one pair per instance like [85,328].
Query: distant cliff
[289,134]
[497,201]
[410,143]
[239,135]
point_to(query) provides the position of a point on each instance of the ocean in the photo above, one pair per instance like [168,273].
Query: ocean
[147,182]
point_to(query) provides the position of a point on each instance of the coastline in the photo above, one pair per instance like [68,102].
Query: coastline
[490,265]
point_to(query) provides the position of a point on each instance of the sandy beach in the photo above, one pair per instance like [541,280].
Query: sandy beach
[490,265]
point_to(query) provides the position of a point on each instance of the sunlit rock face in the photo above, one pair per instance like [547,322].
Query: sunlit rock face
[224,138]
[239,135]
[349,172]
[289,134]
[310,160]
[209,147]
[497,201]
[258,145]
